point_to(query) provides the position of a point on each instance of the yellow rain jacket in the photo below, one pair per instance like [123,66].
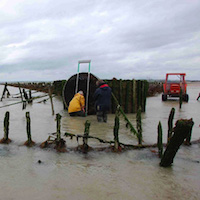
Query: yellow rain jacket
[77,103]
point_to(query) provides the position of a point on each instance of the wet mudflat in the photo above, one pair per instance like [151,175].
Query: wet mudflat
[134,174]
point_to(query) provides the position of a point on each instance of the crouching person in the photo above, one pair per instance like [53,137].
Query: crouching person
[77,105]
[102,97]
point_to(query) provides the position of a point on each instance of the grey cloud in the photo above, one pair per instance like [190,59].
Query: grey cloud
[124,39]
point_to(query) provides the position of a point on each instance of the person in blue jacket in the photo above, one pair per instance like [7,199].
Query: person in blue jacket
[102,97]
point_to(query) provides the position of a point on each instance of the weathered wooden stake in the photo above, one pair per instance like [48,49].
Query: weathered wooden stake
[181,131]
[29,141]
[139,125]
[85,138]
[188,138]
[5,139]
[60,143]
[127,96]
[116,131]
[28,127]
[4,92]
[50,96]
[23,102]
[170,124]
[134,96]
[120,92]
[6,125]
[146,86]
[160,140]
[25,95]
[30,100]
[58,126]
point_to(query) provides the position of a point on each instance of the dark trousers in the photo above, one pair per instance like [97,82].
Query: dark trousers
[79,113]
[102,116]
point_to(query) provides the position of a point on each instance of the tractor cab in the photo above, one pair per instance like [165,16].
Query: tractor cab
[175,85]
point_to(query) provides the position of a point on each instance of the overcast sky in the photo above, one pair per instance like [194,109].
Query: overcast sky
[140,39]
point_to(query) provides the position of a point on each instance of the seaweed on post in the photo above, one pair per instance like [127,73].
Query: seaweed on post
[129,124]
[170,124]
[139,126]
[55,139]
[29,142]
[59,142]
[116,132]
[188,138]
[160,140]
[5,139]
[85,147]
[85,138]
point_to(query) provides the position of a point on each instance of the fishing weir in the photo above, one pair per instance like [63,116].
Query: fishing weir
[133,100]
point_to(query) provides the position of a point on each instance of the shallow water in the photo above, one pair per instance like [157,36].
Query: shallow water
[134,174]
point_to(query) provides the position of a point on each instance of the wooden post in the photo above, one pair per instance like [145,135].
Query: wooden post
[30,97]
[142,96]
[23,102]
[188,138]
[25,95]
[4,92]
[126,107]
[60,143]
[51,100]
[29,141]
[170,124]
[134,96]
[146,86]
[181,131]
[114,91]
[138,94]
[120,92]
[160,140]
[28,127]
[58,126]
[6,125]
[5,139]
[116,131]
[85,138]
[139,125]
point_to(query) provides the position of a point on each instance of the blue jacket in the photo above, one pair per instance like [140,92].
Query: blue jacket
[102,97]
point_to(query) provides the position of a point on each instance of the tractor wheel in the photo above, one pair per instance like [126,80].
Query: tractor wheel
[164,97]
[186,98]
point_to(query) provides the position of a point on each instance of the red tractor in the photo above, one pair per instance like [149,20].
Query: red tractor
[173,86]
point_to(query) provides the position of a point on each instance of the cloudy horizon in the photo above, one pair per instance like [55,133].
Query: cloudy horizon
[130,39]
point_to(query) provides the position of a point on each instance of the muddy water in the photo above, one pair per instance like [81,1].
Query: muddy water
[132,175]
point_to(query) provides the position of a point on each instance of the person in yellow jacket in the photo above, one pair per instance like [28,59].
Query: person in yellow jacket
[77,105]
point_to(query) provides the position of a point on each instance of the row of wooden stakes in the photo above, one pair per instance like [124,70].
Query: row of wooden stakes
[176,136]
